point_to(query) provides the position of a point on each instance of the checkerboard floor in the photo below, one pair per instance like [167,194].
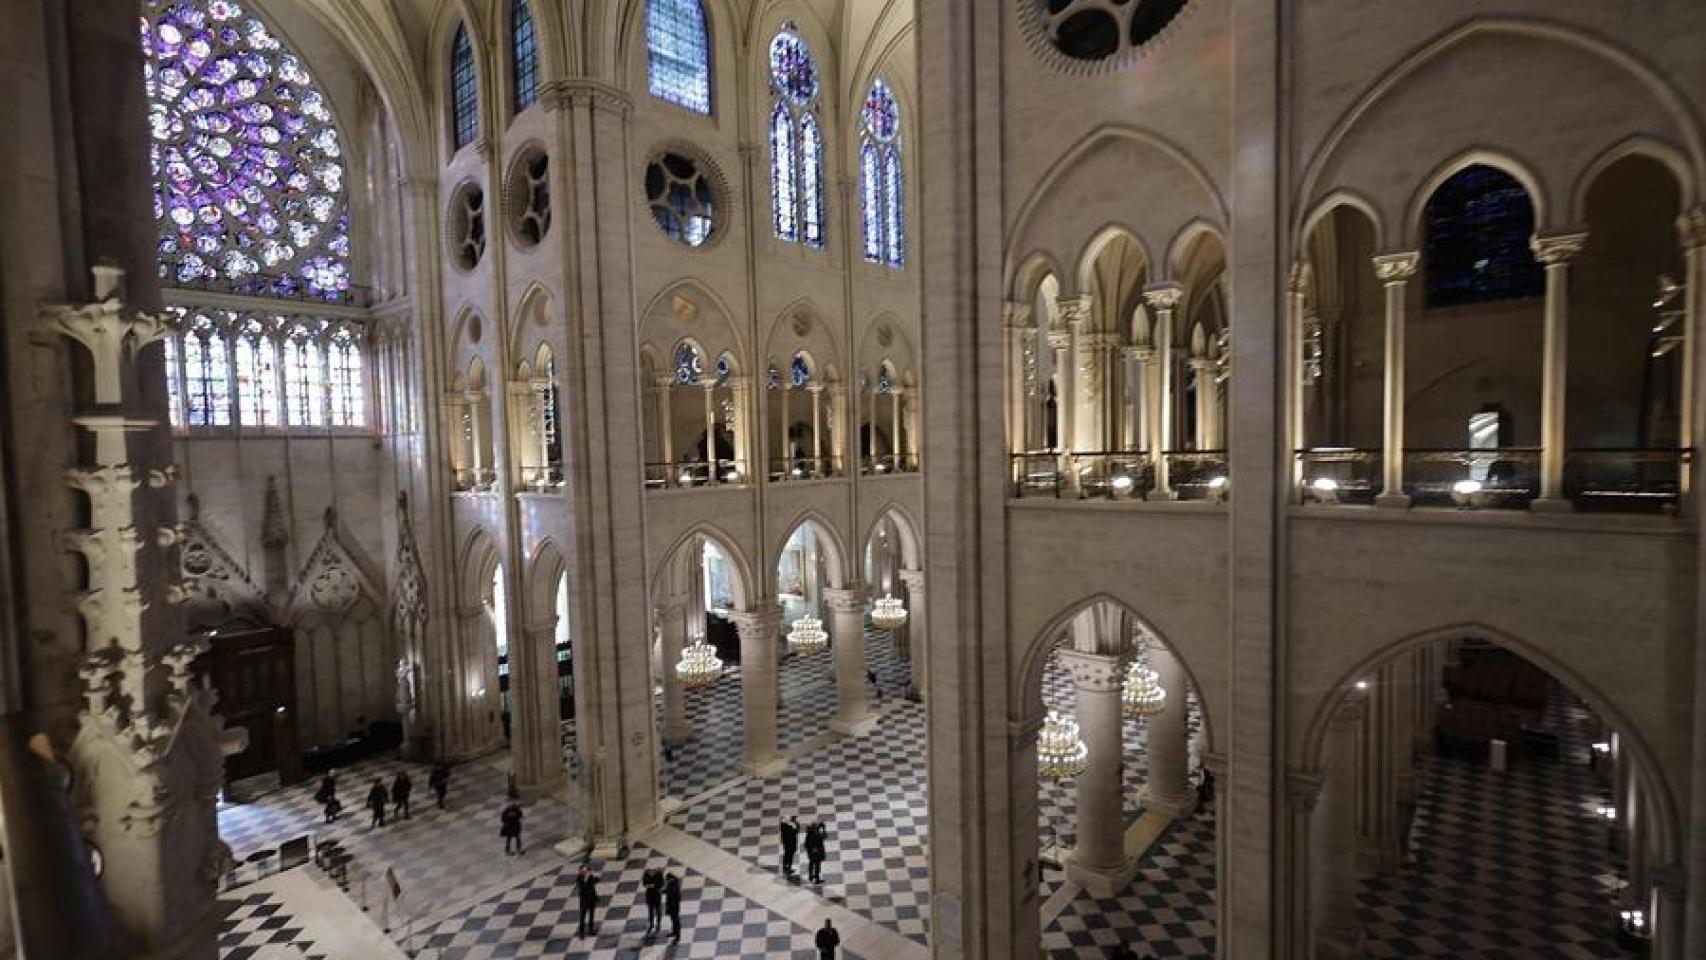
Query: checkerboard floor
[442,857]
[539,918]
[1511,864]
[258,920]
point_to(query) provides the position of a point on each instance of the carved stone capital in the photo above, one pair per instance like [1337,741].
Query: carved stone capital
[762,623]
[1558,248]
[849,600]
[1095,672]
[1691,228]
[1015,313]
[600,97]
[1075,309]
[1164,296]
[1023,732]
[1396,267]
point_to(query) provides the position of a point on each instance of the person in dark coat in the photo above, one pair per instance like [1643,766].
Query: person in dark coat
[586,887]
[401,787]
[377,797]
[652,883]
[439,781]
[816,835]
[327,796]
[828,938]
[511,829]
[672,904]
[790,844]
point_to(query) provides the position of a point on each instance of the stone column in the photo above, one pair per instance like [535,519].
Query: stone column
[895,437]
[739,389]
[758,631]
[1377,777]
[1297,291]
[536,723]
[1131,435]
[1691,232]
[917,634]
[1202,374]
[1303,794]
[1163,297]
[1337,931]
[787,449]
[1667,912]
[1149,398]
[816,390]
[1099,862]
[1692,226]
[1555,251]
[1394,270]
[847,608]
[672,627]
[1169,788]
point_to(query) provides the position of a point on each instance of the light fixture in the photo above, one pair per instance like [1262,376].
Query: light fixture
[1217,483]
[686,479]
[797,472]
[1606,811]
[1362,684]
[1635,920]
[807,635]
[887,613]
[1061,753]
[699,665]
[732,476]
[1602,747]
[1325,485]
[1121,483]
[882,467]
[1467,493]
[1143,695]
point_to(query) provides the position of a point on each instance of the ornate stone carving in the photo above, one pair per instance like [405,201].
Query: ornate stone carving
[275,530]
[1396,267]
[1691,228]
[331,582]
[1098,672]
[1164,296]
[1558,247]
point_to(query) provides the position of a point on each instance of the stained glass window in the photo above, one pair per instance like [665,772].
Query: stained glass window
[349,404]
[174,390]
[688,365]
[725,366]
[1479,224]
[678,53]
[207,374]
[772,378]
[802,370]
[883,214]
[884,381]
[257,376]
[304,378]
[248,165]
[464,89]
[796,141]
[524,55]
[682,199]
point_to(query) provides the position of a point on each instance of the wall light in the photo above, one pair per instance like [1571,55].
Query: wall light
[1121,483]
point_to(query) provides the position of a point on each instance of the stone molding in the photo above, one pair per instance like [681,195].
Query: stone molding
[1558,248]
[1392,268]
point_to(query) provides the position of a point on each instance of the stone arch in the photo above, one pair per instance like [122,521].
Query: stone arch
[1668,822]
[1335,200]
[835,549]
[480,557]
[534,305]
[910,553]
[539,586]
[1028,275]
[1413,230]
[459,13]
[1098,243]
[802,327]
[742,570]
[1652,148]
[691,301]
[1026,692]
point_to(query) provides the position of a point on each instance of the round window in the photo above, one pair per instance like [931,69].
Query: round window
[467,226]
[1100,30]
[528,197]
[682,198]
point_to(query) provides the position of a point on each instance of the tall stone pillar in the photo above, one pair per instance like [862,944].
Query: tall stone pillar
[672,626]
[758,694]
[1163,297]
[1099,861]
[1303,795]
[1377,776]
[1555,251]
[847,610]
[917,634]
[740,388]
[1202,375]
[1692,228]
[1169,788]
[1337,931]
[1394,271]
[536,722]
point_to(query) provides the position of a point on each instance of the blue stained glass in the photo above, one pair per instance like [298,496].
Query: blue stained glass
[678,53]
[174,392]
[802,371]
[881,114]
[464,89]
[880,176]
[871,201]
[304,379]
[883,379]
[793,69]
[349,402]
[725,366]
[796,141]
[894,211]
[811,181]
[207,375]
[1479,225]
[524,55]
[784,164]
[231,114]
[688,365]
[772,378]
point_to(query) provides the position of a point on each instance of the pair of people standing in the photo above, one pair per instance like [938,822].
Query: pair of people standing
[816,836]
[398,796]
[663,896]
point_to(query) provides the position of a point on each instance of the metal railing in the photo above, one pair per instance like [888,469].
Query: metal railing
[889,464]
[544,479]
[805,468]
[1627,479]
[688,474]
[1339,475]
[473,480]
[1197,474]
[1036,474]
[1101,474]
[1507,478]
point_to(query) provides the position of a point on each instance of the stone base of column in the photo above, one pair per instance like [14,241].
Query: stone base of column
[576,849]
[676,738]
[1551,505]
[1399,501]
[1333,943]
[1102,882]
[1178,807]
[856,727]
[765,769]
[546,787]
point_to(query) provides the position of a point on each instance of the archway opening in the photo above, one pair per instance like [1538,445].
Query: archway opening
[896,655]
[807,569]
[1342,340]
[701,722]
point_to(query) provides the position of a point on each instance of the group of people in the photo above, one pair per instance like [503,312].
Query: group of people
[816,838]
[379,797]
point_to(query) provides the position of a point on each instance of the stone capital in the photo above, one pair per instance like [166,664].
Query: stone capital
[565,94]
[762,623]
[1075,309]
[847,600]
[1558,248]
[663,381]
[1164,296]
[1297,279]
[1691,228]
[914,580]
[1396,267]
[1303,789]
[1095,672]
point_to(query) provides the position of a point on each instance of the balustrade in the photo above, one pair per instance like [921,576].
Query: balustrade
[805,468]
[1339,475]
[1197,474]
[545,479]
[1633,480]
[1502,478]
[888,463]
[685,474]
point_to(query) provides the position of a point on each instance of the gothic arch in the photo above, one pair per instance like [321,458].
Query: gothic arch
[1314,744]
[535,305]
[742,570]
[910,554]
[834,548]
[479,558]
[1652,148]
[1026,693]
[1333,201]
[451,15]
[545,567]
[818,340]
[1185,242]
[1098,243]
[1414,230]
[1029,274]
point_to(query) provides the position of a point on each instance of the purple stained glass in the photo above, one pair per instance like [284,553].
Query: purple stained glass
[882,114]
[793,69]
[243,149]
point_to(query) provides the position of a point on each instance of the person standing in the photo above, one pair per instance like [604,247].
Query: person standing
[376,799]
[510,829]
[815,836]
[327,796]
[828,938]
[672,904]
[586,886]
[439,781]
[790,845]
[401,787]
[652,880]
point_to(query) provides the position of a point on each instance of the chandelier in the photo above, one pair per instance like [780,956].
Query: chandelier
[888,613]
[1061,753]
[699,666]
[1143,695]
[807,635]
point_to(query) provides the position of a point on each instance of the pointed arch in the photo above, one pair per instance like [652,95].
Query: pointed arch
[834,547]
[1414,232]
[545,566]
[741,569]
[478,561]
[911,554]
[1652,148]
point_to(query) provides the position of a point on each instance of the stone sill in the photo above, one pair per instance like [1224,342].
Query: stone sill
[701,489]
[1625,524]
[1193,507]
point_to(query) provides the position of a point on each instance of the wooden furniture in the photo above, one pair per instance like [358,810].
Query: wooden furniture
[254,673]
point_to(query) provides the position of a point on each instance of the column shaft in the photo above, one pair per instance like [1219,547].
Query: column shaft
[917,634]
[1337,933]
[1169,790]
[1101,799]
[672,622]
[847,634]
[758,695]
[1394,270]
[1555,252]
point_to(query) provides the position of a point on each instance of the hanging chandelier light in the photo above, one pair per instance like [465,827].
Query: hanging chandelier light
[888,613]
[807,635]
[1143,695]
[1061,753]
[699,665]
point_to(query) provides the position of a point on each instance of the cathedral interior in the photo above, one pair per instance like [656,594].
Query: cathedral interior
[877,479]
